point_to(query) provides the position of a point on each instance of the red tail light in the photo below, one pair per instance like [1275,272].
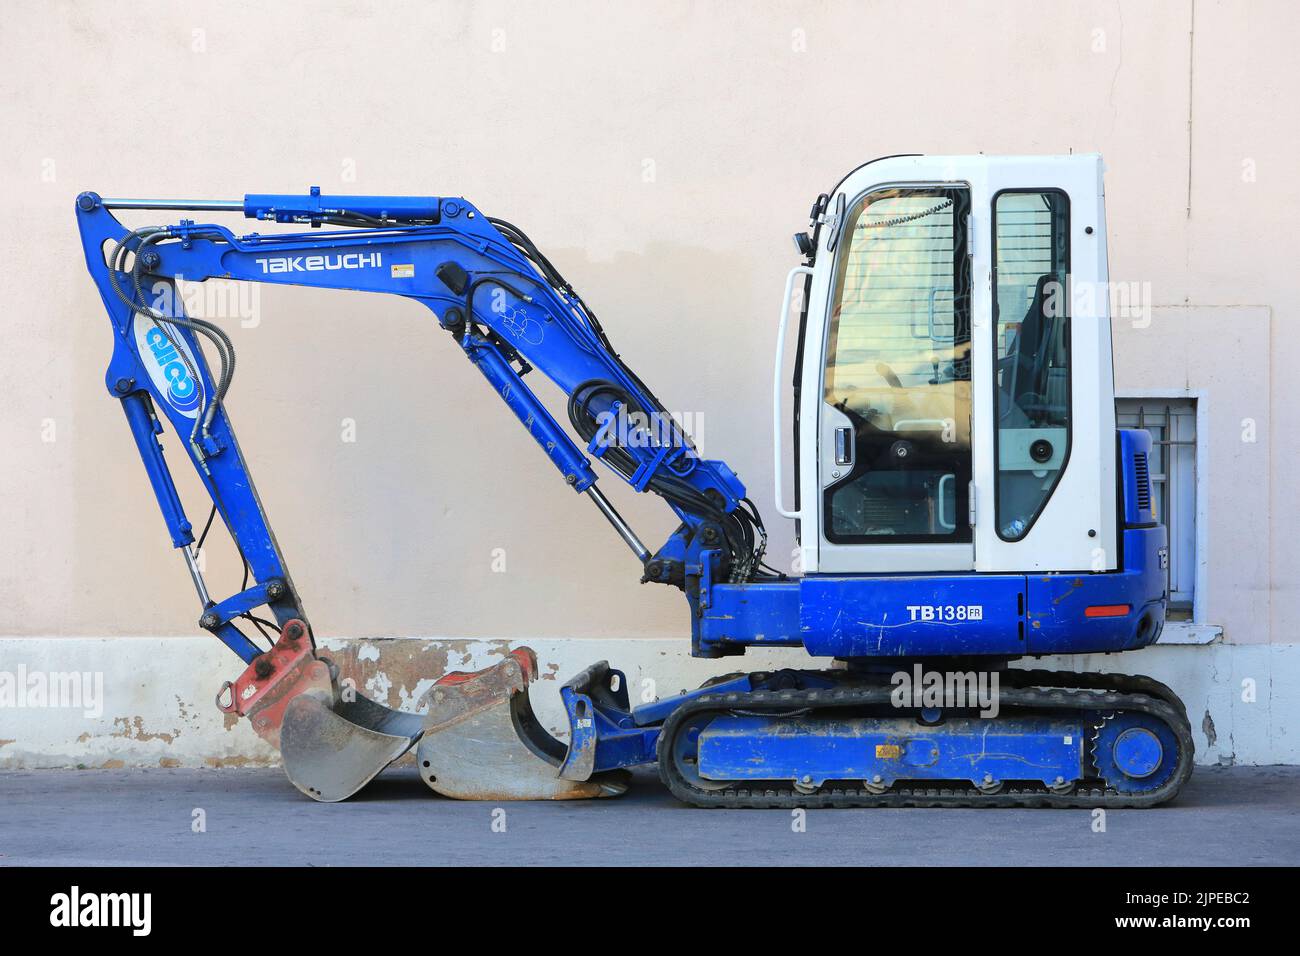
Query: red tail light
[1107,610]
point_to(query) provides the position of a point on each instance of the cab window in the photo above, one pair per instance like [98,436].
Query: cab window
[898,369]
[1031,325]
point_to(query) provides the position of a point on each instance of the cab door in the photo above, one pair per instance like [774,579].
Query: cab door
[893,460]
[1047,493]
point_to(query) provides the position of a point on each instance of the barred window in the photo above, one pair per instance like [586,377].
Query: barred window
[1172,469]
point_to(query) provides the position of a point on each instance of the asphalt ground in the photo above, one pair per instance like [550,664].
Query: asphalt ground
[1225,816]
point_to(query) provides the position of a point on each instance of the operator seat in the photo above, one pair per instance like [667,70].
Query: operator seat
[1032,387]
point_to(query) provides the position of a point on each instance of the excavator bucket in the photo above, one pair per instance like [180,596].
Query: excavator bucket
[479,740]
[333,741]
[331,751]
[482,740]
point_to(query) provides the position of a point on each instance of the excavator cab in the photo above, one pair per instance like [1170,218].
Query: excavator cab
[957,371]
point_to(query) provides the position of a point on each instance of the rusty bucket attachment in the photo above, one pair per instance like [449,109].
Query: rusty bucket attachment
[332,743]
[482,740]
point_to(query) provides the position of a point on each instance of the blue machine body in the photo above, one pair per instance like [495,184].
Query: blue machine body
[521,322]
[910,615]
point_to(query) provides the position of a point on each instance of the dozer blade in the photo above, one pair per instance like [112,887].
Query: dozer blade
[332,744]
[482,740]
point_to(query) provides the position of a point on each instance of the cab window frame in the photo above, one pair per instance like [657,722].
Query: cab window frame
[963,196]
[995,385]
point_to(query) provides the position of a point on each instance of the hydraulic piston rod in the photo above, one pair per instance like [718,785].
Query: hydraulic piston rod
[197,205]
[624,530]
[196,575]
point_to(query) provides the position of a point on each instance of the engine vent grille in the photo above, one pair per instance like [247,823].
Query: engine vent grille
[1143,481]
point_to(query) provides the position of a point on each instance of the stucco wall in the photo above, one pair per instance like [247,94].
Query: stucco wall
[662,154]
[147,702]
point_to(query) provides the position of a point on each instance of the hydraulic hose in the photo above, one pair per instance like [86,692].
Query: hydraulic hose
[221,341]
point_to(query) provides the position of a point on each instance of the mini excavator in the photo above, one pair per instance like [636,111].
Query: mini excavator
[962,499]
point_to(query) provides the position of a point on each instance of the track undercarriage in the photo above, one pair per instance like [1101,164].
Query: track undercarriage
[832,739]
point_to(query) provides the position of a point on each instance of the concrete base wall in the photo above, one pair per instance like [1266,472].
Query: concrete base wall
[147,702]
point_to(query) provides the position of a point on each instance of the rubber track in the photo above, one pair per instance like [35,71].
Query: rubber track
[1123,683]
[1071,699]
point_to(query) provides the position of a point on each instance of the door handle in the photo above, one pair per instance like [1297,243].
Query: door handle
[943,520]
[844,445]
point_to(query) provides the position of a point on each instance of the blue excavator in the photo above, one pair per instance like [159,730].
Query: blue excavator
[961,499]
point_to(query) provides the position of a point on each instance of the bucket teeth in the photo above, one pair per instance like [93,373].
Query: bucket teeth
[482,740]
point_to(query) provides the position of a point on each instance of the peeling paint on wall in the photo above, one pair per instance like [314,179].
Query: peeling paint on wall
[152,721]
